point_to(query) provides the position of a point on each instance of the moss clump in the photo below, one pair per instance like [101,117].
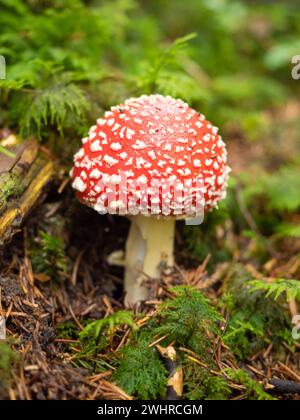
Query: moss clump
[201,384]
[255,320]
[8,358]
[187,318]
[140,371]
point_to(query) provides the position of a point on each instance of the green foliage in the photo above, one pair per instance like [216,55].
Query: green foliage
[53,105]
[203,240]
[49,93]
[67,330]
[6,152]
[48,255]
[9,187]
[141,372]
[280,188]
[288,229]
[95,336]
[253,390]
[291,288]
[69,60]
[153,79]
[8,358]
[201,384]
[254,319]
[187,318]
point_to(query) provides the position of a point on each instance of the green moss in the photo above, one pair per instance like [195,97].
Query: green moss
[97,334]
[255,320]
[253,390]
[48,255]
[141,372]
[8,358]
[187,319]
[201,384]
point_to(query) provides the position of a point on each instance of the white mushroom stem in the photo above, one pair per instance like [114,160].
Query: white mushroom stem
[149,247]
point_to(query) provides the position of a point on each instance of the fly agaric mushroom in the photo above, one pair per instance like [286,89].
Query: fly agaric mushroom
[155,160]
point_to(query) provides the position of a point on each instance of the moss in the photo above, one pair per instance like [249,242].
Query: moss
[201,384]
[187,319]
[253,390]
[141,373]
[255,320]
[8,358]
[48,255]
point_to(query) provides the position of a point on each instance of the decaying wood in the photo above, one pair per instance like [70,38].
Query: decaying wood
[22,183]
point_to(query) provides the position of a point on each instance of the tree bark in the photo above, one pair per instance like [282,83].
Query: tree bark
[23,179]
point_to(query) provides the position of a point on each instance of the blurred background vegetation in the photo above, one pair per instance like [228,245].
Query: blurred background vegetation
[69,60]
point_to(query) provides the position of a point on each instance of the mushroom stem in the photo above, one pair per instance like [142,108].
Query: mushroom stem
[149,247]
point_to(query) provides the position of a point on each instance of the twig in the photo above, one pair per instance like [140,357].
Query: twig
[75,319]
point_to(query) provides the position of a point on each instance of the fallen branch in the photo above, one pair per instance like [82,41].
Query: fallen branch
[23,178]
[281,386]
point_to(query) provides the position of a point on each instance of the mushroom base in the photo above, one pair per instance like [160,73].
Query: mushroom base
[149,248]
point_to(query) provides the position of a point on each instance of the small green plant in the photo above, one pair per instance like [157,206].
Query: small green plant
[48,255]
[151,81]
[67,330]
[253,390]
[140,371]
[201,384]
[8,358]
[290,288]
[56,101]
[95,339]
[281,188]
[8,188]
[187,318]
[96,335]
[254,319]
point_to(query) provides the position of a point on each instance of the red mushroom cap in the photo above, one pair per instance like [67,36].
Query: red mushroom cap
[151,155]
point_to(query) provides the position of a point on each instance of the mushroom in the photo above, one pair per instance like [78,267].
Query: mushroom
[155,160]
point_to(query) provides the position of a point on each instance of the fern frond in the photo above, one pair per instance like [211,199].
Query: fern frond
[151,80]
[187,319]
[291,288]
[141,372]
[110,323]
[54,105]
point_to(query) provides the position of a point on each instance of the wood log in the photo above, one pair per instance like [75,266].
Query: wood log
[23,178]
